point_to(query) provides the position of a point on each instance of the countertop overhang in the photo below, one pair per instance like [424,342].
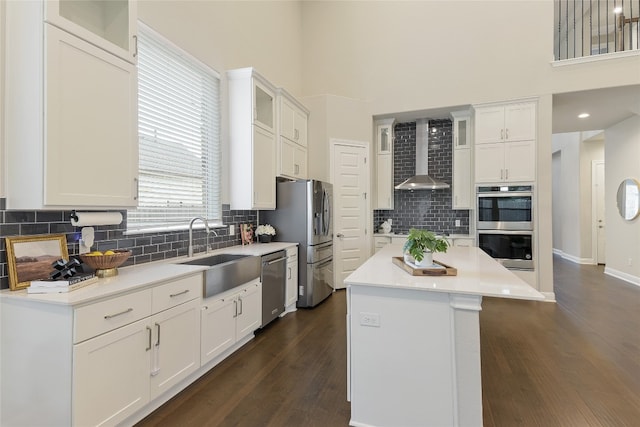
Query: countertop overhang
[478,274]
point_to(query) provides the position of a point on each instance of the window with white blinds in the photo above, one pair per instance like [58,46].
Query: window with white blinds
[179,138]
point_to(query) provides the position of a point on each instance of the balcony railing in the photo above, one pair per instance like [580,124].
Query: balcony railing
[593,27]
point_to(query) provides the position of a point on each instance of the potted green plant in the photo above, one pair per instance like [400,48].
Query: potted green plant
[421,244]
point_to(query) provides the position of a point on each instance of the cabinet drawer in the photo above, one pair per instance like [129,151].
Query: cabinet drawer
[95,319]
[292,254]
[176,292]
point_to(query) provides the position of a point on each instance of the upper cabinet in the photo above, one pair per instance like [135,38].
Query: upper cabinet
[252,138]
[70,114]
[505,123]
[505,142]
[462,185]
[110,25]
[384,164]
[292,136]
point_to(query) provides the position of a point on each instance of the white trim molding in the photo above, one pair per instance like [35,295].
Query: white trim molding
[629,278]
[573,258]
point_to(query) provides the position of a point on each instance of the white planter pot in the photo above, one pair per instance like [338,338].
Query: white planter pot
[427,260]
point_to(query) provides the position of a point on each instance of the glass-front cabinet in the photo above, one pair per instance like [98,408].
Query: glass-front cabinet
[385,136]
[384,164]
[108,24]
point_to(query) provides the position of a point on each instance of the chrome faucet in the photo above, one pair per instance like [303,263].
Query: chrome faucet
[206,226]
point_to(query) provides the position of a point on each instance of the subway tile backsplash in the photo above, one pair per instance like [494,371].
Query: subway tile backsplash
[145,247]
[423,208]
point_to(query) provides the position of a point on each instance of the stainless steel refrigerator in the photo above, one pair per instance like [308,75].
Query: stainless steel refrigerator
[303,216]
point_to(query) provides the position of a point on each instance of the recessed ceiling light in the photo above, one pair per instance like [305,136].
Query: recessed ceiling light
[583,115]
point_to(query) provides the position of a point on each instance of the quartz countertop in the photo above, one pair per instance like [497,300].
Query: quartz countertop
[137,277]
[478,274]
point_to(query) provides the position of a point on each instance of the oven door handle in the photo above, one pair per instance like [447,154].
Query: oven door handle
[324,264]
[511,232]
[520,194]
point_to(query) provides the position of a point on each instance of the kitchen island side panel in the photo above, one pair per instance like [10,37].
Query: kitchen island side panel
[401,357]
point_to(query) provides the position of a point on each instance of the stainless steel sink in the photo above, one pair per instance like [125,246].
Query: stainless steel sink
[226,271]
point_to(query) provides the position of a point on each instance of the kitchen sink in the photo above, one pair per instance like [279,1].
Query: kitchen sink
[226,271]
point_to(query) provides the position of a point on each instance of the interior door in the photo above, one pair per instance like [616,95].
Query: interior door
[350,176]
[599,208]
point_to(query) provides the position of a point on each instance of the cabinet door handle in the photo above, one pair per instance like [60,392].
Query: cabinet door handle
[501,133]
[158,341]
[501,174]
[289,273]
[135,45]
[179,293]
[240,301]
[506,133]
[235,308]
[111,316]
[136,190]
[149,345]
[506,174]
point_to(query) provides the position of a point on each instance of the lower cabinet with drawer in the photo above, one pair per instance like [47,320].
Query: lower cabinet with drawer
[99,363]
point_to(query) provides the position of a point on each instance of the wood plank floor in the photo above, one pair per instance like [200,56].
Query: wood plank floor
[574,363]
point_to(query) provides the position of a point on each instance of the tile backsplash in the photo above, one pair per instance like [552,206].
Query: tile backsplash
[145,247]
[423,208]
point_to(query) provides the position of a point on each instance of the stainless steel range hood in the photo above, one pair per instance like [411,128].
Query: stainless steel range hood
[421,180]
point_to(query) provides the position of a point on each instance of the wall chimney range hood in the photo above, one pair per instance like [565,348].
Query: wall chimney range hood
[421,180]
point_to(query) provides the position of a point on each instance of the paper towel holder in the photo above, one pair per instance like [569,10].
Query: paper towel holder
[82,219]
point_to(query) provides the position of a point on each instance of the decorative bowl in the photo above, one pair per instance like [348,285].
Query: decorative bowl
[106,265]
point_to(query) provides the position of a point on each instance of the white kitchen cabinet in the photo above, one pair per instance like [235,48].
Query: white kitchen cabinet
[110,25]
[73,108]
[292,160]
[462,184]
[292,136]
[384,164]
[119,372]
[291,289]
[505,122]
[505,162]
[102,360]
[505,142]
[380,242]
[252,140]
[228,318]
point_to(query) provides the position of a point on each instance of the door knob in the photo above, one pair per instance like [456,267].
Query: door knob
[339,235]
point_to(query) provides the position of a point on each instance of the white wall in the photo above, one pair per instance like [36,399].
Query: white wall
[572,193]
[2,167]
[556,166]
[622,154]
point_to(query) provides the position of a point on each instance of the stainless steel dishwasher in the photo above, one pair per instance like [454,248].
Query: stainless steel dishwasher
[274,279]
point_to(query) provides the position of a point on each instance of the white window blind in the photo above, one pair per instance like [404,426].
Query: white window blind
[179,138]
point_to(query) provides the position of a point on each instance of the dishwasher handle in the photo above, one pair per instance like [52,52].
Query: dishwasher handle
[274,261]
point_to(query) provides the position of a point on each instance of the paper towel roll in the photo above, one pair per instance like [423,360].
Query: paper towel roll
[81,219]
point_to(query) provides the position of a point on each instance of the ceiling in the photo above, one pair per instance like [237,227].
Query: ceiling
[605,106]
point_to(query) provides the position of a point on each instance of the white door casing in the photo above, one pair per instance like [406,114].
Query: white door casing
[350,175]
[598,219]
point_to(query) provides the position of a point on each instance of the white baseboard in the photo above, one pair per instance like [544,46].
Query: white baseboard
[573,258]
[634,280]
[549,296]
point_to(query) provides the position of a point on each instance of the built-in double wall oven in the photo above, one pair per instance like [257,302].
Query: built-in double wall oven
[505,224]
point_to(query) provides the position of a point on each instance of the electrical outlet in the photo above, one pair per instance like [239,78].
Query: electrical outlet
[232,230]
[457,223]
[370,319]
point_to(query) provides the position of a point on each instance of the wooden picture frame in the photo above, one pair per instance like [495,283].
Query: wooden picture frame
[30,257]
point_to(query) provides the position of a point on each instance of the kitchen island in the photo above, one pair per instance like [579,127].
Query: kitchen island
[414,341]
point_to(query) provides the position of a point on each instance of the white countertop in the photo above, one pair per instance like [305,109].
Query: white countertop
[141,276]
[449,236]
[478,274]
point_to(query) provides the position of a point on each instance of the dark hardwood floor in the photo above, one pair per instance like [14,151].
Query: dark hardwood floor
[574,363]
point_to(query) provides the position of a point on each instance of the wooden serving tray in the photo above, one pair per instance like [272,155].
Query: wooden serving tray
[414,271]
